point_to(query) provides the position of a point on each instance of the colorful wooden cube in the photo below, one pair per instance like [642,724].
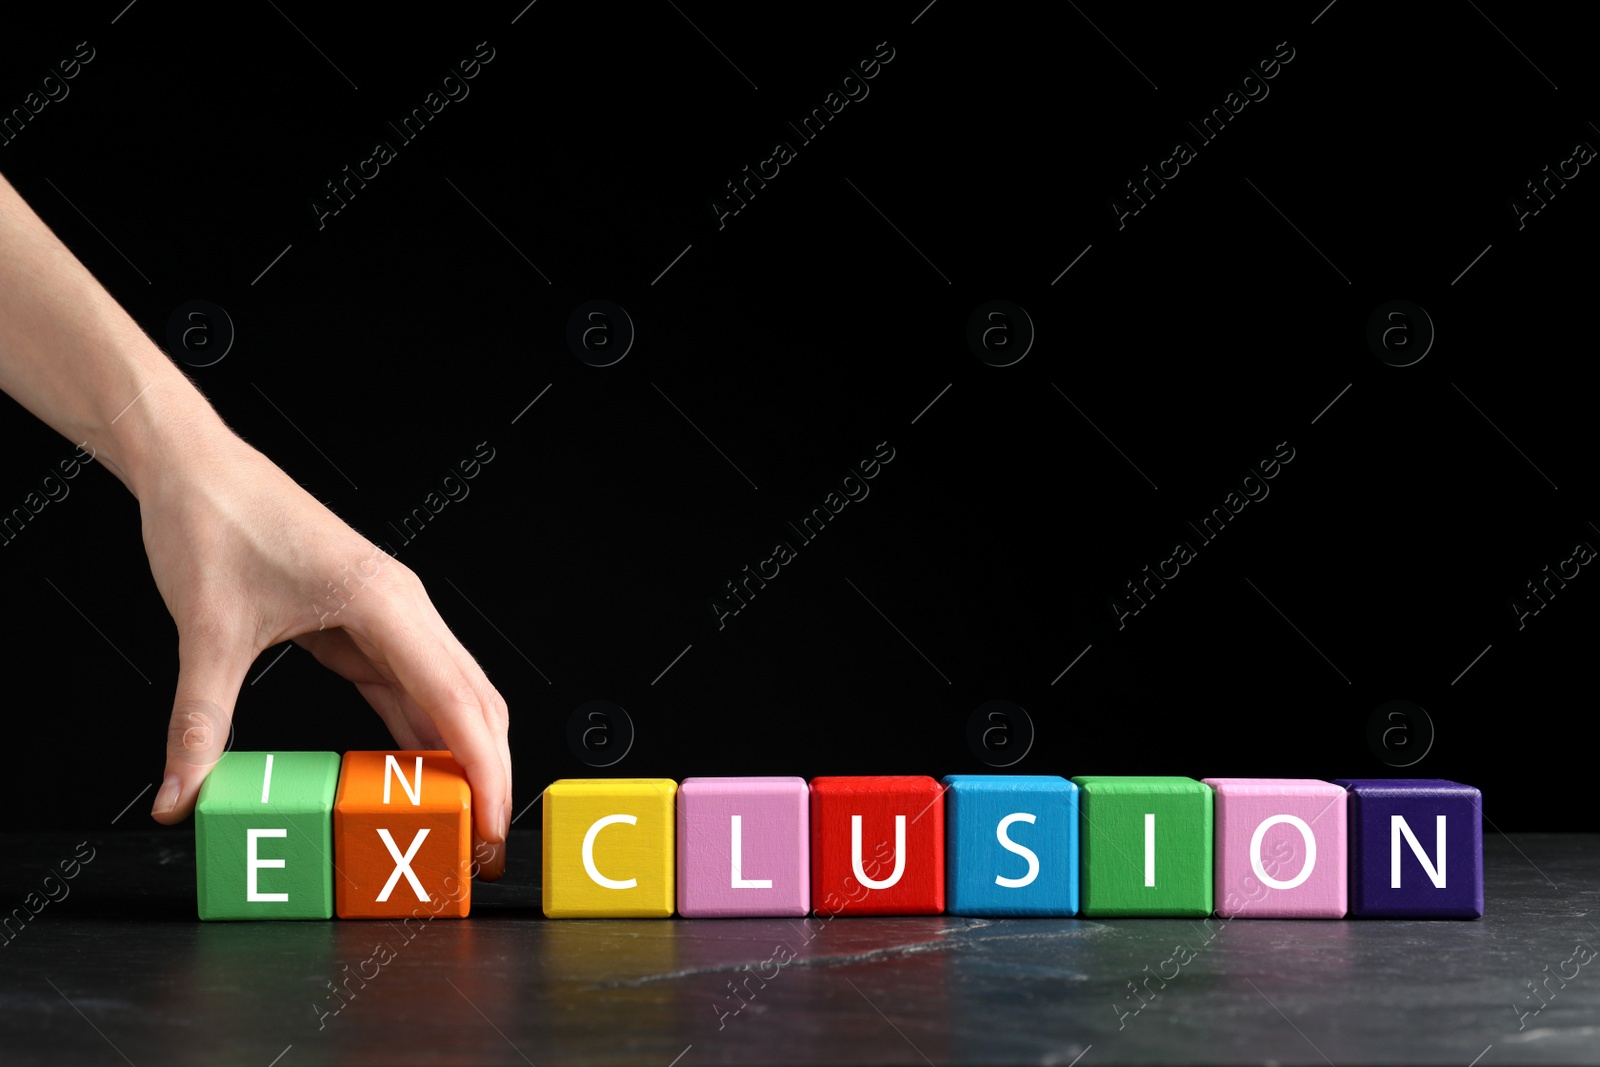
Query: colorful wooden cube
[877,845]
[1416,848]
[744,847]
[402,828]
[1146,846]
[1281,848]
[263,836]
[609,848]
[1011,845]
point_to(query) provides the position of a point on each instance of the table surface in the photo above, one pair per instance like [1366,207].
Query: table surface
[118,970]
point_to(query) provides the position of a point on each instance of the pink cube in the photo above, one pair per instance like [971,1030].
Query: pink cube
[744,847]
[1281,848]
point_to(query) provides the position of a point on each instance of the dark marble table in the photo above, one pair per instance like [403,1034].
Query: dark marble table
[118,970]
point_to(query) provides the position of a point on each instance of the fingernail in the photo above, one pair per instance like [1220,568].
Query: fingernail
[505,822]
[167,798]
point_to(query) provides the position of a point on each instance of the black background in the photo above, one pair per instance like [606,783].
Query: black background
[824,318]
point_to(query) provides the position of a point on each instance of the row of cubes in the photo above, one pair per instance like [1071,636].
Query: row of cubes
[305,835]
[1013,845]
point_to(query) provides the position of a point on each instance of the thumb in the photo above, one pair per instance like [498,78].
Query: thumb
[199,732]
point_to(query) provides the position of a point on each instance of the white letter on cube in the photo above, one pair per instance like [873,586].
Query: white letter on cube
[739,880]
[1255,851]
[1398,826]
[252,865]
[1022,850]
[588,853]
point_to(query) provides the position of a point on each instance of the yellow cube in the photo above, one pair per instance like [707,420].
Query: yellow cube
[609,848]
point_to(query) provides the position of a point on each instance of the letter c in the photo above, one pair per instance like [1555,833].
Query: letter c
[588,853]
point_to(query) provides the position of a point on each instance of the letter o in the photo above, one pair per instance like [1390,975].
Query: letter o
[1255,851]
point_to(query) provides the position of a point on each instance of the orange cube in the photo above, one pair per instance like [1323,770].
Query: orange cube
[402,836]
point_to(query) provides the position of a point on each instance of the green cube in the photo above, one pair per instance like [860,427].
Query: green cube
[263,836]
[1146,846]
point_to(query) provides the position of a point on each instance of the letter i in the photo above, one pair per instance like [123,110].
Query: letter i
[1149,849]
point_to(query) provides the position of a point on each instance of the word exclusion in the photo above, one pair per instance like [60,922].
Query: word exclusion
[397,826]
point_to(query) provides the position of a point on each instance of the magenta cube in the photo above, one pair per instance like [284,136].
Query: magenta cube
[1282,848]
[744,847]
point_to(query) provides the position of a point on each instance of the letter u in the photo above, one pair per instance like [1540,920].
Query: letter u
[899,853]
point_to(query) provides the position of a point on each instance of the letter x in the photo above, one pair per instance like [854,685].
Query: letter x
[403,865]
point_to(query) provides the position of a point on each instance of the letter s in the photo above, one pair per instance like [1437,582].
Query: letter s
[1022,850]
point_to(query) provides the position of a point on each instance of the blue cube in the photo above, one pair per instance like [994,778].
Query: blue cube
[1011,845]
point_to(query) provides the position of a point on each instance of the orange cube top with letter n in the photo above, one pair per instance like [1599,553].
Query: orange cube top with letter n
[402,836]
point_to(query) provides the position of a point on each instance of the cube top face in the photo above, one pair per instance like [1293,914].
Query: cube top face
[777,784]
[1011,845]
[402,827]
[743,847]
[1146,846]
[599,788]
[263,836]
[1281,848]
[874,784]
[1377,787]
[1416,848]
[1277,787]
[1135,784]
[609,848]
[418,781]
[765,786]
[1009,783]
[249,783]
[877,845]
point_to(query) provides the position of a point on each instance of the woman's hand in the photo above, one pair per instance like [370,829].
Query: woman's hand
[246,559]
[243,556]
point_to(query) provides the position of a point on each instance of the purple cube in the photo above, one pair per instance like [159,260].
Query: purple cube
[1416,848]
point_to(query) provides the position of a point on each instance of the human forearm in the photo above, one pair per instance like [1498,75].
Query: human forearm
[72,356]
[241,554]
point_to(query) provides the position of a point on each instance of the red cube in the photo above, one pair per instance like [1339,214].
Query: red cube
[877,845]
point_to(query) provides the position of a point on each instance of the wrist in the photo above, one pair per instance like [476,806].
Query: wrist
[163,428]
